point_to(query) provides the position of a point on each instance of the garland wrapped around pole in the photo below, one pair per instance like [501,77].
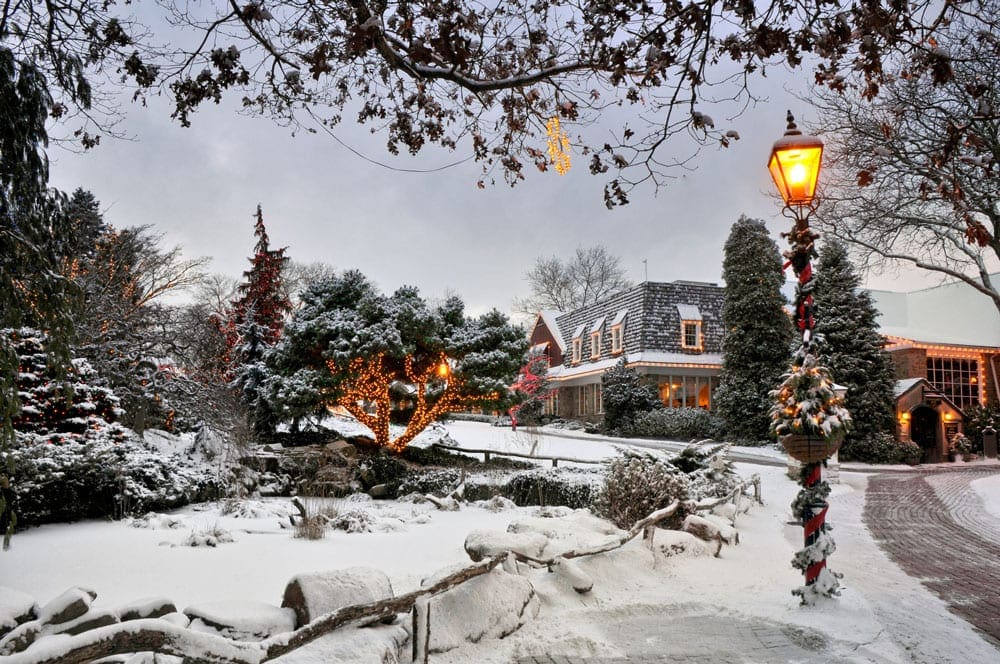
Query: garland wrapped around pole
[807,417]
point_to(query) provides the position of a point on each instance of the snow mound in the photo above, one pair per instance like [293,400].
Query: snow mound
[481,544]
[257,509]
[384,644]
[578,529]
[211,537]
[496,504]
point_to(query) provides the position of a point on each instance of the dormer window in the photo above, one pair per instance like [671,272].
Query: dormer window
[578,344]
[618,332]
[690,316]
[691,334]
[595,345]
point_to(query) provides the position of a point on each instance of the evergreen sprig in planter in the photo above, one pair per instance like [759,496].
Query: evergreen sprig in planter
[808,417]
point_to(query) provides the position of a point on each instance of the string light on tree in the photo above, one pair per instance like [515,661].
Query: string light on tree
[558,145]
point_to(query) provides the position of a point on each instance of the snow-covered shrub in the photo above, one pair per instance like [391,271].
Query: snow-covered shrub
[709,469]
[103,478]
[211,537]
[383,469]
[676,424]
[625,397]
[437,482]
[960,444]
[554,486]
[353,521]
[638,484]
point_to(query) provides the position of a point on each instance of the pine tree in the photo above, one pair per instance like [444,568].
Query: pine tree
[852,348]
[624,396]
[757,347]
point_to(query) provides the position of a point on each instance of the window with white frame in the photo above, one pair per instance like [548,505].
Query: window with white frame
[577,350]
[691,334]
[595,345]
[617,334]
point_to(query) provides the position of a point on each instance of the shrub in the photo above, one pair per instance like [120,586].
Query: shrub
[104,479]
[437,482]
[676,424]
[556,486]
[878,448]
[978,418]
[625,397]
[912,453]
[385,469]
[638,484]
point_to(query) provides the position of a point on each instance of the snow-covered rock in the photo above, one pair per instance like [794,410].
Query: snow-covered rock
[383,644]
[496,504]
[15,608]
[709,528]
[481,544]
[570,572]
[154,607]
[240,621]
[314,594]
[68,606]
[577,529]
[490,606]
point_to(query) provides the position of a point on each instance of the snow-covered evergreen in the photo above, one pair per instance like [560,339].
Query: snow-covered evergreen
[624,396]
[757,347]
[852,347]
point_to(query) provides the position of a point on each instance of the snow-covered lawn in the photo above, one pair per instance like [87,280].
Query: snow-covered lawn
[883,615]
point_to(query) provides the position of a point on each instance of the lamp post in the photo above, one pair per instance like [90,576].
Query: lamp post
[808,417]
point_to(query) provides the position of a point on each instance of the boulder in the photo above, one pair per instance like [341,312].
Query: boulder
[490,606]
[15,608]
[314,594]
[86,622]
[240,621]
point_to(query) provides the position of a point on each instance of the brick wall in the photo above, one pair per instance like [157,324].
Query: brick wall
[909,363]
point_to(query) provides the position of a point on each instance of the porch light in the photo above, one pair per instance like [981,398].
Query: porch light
[794,165]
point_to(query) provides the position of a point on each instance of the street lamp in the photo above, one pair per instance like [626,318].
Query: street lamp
[808,415]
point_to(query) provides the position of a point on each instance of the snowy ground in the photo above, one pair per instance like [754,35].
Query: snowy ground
[883,615]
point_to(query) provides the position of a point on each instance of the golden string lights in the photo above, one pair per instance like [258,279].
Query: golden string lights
[558,145]
[366,394]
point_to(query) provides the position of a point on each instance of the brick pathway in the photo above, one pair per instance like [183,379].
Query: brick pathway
[933,525]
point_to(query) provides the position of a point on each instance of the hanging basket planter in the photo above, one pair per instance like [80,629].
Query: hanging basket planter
[808,448]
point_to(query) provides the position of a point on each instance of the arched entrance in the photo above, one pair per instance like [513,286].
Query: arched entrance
[924,427]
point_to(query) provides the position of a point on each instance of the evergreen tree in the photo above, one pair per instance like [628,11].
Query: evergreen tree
[351,346]
[756,350]
[852,348]
[624,396]
[254,323]
[261,296]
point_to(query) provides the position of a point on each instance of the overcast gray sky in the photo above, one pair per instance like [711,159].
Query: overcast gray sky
[436,231]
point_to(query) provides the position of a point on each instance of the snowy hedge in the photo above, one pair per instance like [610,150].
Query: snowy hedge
[102,478]
[675,424]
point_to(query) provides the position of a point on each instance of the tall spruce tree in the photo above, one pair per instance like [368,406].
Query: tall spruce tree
[624,396]
[852,348]
[254,323]
[756,350]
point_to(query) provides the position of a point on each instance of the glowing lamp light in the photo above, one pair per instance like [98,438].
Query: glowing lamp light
[443,370]
[947,417]
[904,417]
[794,165]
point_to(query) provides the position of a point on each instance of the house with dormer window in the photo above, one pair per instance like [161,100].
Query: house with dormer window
[671,333]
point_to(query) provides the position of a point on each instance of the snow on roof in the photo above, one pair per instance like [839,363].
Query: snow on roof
[549,318]
[619,317]
[951,313]
[598,324]
[706,360]
[903,386]
[688,312]
[579,331]
[538,349]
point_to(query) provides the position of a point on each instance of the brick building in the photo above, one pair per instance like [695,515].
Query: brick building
[945,344]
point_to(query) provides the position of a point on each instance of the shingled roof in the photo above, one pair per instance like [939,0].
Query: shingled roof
[653,319]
